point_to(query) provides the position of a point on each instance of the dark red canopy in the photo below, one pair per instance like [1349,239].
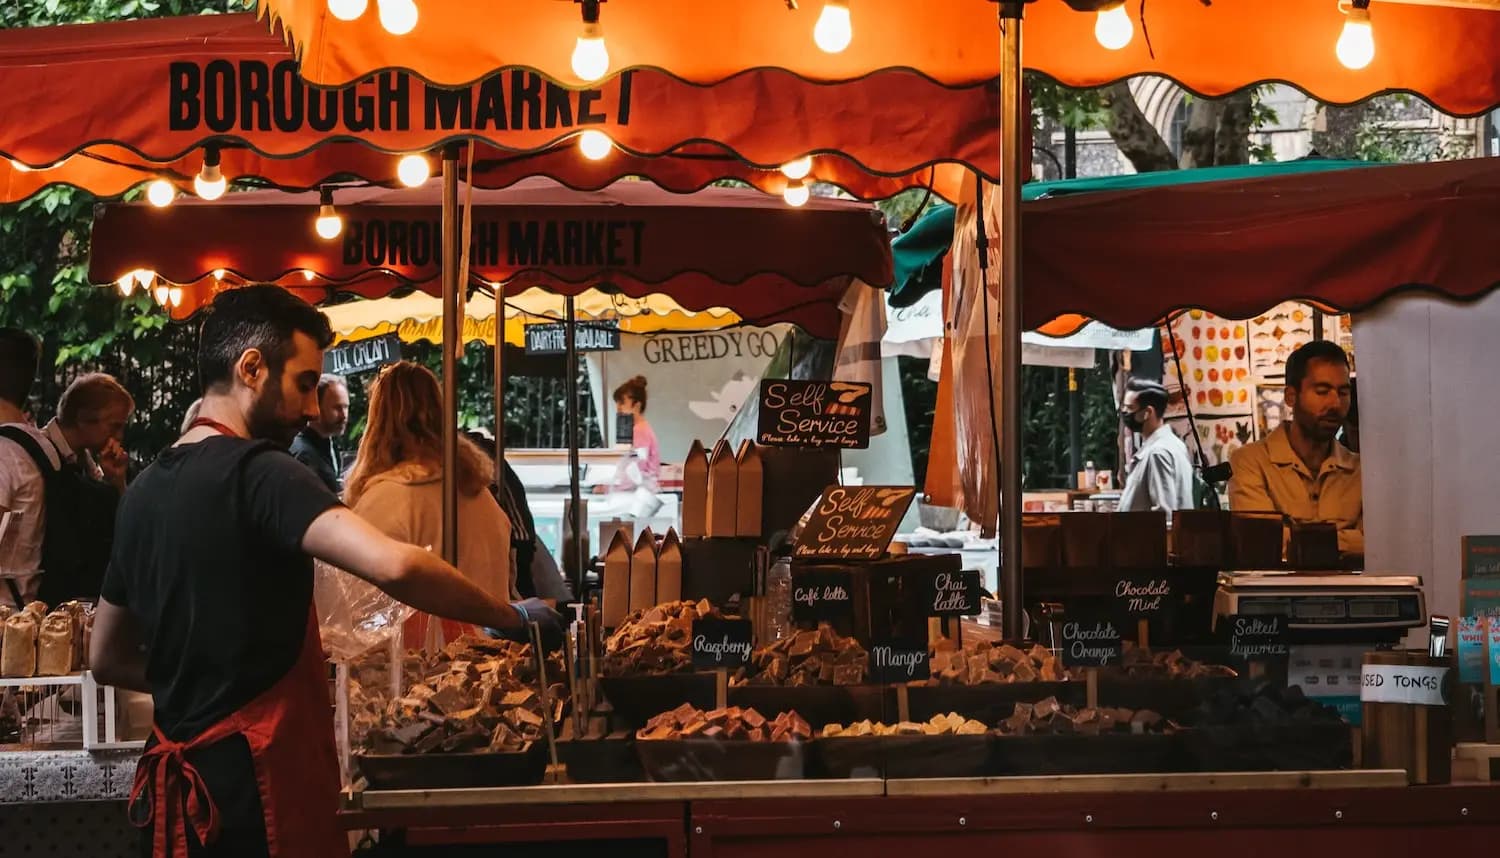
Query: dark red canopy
[1344,239]
[721,247]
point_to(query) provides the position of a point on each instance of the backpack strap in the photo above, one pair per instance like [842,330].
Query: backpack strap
[26,442]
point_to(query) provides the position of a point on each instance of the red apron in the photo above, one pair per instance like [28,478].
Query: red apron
[290,732]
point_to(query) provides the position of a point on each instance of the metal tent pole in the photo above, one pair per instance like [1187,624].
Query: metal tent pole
[500,384]
[571,391]
[1011,135]
[452,341]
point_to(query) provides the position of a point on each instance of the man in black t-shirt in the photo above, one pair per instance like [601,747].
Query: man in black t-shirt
[207,603]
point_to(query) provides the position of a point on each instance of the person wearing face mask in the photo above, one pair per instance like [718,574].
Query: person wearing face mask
[1160,476]
[1301,470]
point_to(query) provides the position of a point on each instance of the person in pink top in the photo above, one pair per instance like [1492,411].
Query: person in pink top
[630,398]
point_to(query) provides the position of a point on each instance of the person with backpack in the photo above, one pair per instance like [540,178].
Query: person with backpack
[22,482]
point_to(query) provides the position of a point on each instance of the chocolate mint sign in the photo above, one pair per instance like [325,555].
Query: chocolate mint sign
[894,662]
[814,414]
[823,594]
[1090,642]
[954,594]
[362,355]
[721,643]
[551,338]
[1257,636]
[1139,596]
[854,522]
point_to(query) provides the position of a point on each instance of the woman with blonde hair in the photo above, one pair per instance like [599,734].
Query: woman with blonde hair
[397,484]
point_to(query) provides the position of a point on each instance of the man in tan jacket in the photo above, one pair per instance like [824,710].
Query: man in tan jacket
[1300,470]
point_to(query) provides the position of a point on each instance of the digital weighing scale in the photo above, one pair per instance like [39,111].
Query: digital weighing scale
[1326,608]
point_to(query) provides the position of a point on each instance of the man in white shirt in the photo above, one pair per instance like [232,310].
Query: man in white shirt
[1160,476]
[90,425]
[22,522]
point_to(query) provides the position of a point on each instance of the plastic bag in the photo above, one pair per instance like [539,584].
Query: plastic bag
[353,616]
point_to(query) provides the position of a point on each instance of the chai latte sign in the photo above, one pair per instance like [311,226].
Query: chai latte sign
[814,414]
[854,522]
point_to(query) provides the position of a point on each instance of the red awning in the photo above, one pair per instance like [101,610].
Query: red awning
[1343,239]
[1445,50]
[721,247]
[157,90]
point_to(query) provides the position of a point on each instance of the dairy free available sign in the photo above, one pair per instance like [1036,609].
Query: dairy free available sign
[854,522]
[814,414]
[721,643]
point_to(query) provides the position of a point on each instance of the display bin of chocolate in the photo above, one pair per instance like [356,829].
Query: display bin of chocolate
[525,767]
[943,756]
[1106,754]
[819,704]
[1170,697]
[601,760]
[1268,747]
[988,702]
[636,699]
[721,760]
[887,594]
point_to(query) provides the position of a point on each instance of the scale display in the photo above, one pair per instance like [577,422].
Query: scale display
[1325,601]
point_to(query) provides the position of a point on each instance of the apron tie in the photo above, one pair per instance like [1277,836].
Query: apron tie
[175,785]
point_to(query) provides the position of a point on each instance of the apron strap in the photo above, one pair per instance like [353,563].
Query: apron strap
[173,789]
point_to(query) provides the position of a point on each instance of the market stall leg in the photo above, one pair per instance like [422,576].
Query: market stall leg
[575,518]
[1011,135]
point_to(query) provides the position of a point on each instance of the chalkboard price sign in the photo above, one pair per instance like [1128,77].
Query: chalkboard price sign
[362,355]
[821,594]
[854,522]
[814,414]
[1144,596]
[893,662]
[1255,637]
[1090,642]
[954,594]
[721,643]
[551,338]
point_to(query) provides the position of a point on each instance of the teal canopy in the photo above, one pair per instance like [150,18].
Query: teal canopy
[919,252]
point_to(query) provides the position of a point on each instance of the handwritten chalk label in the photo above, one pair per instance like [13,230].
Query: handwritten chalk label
[1090,642]
[551,338]
[854,522]
[954,594]
[821,594]
[893,662]
[360,356]
[1140,596]
[1472,652]
[1253,637]
[1481,556]
[1401,683]
[721,643]
[814,414]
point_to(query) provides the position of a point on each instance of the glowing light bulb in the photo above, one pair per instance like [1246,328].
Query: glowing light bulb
[174,296]
[834,30]
[126,284]
[797,168]
[595,145]
[160,193]
[1113,28]
[209,183]
[307,274]
[1356,45]
[590,56]
[413,170]
[163,294]
[797,193]
[398,17]
[328,224]
[347,10]
[143,277]
[219,274]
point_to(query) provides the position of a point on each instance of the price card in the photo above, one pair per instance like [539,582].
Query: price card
[814,414]
[954,594]
[1257,637]
[821,594]
[721,643]
[893,661]
[1143,596]
[854,522]
[1090,641]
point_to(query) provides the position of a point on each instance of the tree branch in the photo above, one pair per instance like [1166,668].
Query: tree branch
[1137,139]
[1232,145]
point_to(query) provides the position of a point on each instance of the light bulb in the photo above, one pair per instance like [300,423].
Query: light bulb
[160,193]
[219,274]
[797,168]
[126,284]
[834,31]
[797,193]
[209,183]
[398,17]
[143,277]
[347,10]
[163,295]
[307,274]
[590,56]
[595,145]
[413,170]
[1356,46]
[1113,28]
[329,224]
[174,296]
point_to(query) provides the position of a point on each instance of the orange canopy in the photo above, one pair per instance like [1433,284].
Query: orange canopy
[149,94]
[722,247]
[1446,50]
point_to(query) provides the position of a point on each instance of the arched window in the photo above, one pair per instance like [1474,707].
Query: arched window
[1176,127]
